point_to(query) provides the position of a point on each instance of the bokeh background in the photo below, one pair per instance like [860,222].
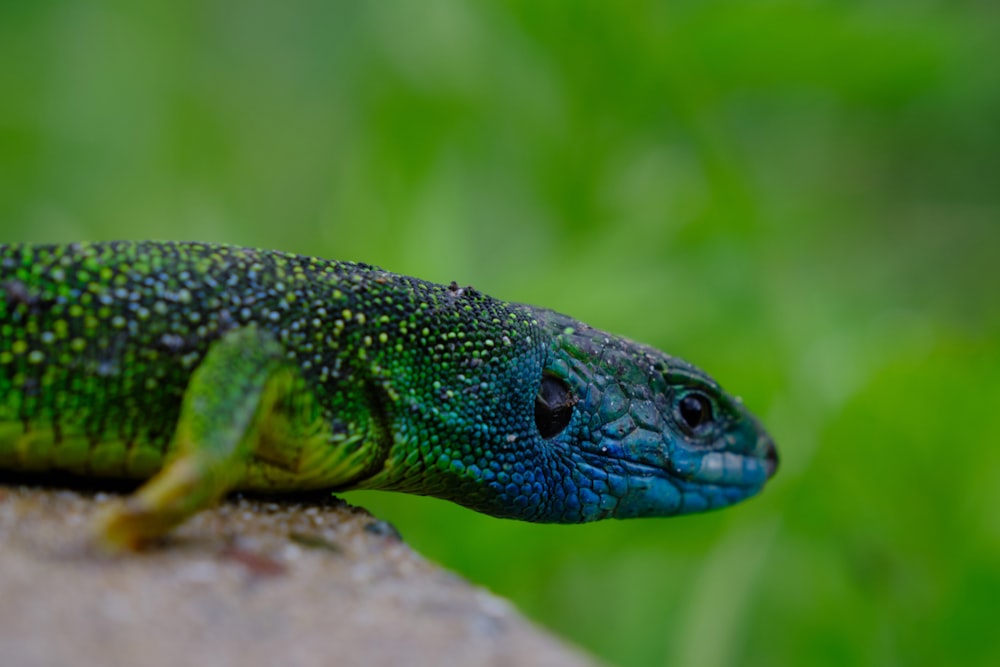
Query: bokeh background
[801,197]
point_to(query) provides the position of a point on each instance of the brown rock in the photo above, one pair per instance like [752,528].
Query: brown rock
[252,582]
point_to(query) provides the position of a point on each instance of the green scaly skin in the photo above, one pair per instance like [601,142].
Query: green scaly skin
[212,368]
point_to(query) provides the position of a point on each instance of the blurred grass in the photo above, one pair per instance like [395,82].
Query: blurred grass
[801,197]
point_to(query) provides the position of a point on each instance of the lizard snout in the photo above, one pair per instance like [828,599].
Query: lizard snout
[770,456]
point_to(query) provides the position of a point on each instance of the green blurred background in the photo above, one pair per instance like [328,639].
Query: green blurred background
[801,197]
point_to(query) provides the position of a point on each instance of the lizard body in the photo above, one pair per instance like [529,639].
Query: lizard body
[212,368]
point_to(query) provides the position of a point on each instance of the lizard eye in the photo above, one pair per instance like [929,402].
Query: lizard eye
[553,406]
[695,411]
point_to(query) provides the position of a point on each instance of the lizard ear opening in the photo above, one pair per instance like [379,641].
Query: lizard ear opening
[553,406]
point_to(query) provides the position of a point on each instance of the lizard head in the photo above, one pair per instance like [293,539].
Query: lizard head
[640,433]
[565,423]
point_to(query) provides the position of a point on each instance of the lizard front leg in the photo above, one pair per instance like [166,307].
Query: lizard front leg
[224,412]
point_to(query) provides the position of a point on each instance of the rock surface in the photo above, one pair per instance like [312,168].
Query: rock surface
[253,582]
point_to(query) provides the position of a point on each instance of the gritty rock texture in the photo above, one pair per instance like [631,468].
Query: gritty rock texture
[253,582]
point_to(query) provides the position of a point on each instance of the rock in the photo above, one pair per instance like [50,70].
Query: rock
[252,582]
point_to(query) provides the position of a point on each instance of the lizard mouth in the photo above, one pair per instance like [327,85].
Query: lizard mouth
[738,469]
[646,489]
[655,484]
[720,467]
[717,469]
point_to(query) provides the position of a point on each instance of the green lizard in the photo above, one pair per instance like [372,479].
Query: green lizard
[206,369]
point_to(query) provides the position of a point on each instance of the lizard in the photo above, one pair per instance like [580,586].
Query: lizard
[198,369]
